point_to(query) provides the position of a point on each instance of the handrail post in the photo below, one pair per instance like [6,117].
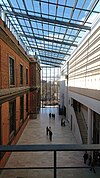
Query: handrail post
[54,164]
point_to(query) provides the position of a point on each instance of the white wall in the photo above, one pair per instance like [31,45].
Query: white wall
[84,65]
[84,73]
[89,102]
[75,128]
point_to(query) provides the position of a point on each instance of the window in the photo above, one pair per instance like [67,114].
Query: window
[21,74]
[26,102]
[11,71]
[50,86]
[26,76]
[21,108]
[12,117]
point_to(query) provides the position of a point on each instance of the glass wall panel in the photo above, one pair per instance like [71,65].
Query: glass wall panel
[50,86]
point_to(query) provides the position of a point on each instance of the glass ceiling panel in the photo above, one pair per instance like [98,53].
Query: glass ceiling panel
[51,29]
[20,4]
[36,6]
[29,5]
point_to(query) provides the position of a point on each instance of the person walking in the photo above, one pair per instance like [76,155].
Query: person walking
[50,135]
[49,115]
[47,130]
[85,156]
[92,166]
[90,160]
[61,121]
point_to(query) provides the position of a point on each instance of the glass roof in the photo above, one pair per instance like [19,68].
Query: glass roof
[49,29]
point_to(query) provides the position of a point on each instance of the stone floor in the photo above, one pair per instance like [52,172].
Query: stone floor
[35,133]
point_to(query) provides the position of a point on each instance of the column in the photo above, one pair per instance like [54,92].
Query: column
[89,126]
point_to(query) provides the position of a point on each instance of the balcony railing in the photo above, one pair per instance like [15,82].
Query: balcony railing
[49,148]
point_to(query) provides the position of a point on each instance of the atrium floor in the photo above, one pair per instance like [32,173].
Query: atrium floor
[35,133]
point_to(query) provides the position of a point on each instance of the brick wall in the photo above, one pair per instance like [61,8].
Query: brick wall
[17,113]
[5,123]
[9,47]
[0,66]
[4,65]
[25,106]
[7,52]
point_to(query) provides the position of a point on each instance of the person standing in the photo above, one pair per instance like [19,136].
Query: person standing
[85,156]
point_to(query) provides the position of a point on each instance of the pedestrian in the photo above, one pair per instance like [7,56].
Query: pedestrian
[54,116]
[85,156]
[50,135]
[47,130]
[92,166]
[90,160]
[49,115]
[61,121]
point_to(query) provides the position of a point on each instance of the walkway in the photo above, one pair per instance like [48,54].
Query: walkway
[35,133]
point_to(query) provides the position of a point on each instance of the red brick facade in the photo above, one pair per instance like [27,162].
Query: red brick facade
[10,48]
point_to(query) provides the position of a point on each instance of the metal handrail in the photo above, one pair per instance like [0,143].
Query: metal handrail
[49,147]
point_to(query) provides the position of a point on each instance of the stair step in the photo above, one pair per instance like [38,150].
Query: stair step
[82,128]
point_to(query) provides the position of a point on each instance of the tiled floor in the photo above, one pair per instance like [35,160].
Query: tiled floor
[35,133]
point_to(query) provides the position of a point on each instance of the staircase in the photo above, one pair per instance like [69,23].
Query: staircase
[82,127]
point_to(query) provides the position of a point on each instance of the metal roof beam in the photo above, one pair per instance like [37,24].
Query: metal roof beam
[51,51]
[67,6]
[54,58]
[63,23]
[56,41]
[40,36]
[49,46]
[51,62]
[49,40]
[70,35]
[51,15]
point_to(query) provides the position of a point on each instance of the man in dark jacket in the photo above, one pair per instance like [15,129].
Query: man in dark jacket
[85,156]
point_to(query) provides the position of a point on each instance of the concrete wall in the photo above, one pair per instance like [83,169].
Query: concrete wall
[73,124]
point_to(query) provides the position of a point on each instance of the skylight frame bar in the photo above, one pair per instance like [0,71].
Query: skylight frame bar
[67,6]
[49,20]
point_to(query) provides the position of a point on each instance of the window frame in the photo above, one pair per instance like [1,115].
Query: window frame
[21,108]
[26,76]
[11,76]
[21,74]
